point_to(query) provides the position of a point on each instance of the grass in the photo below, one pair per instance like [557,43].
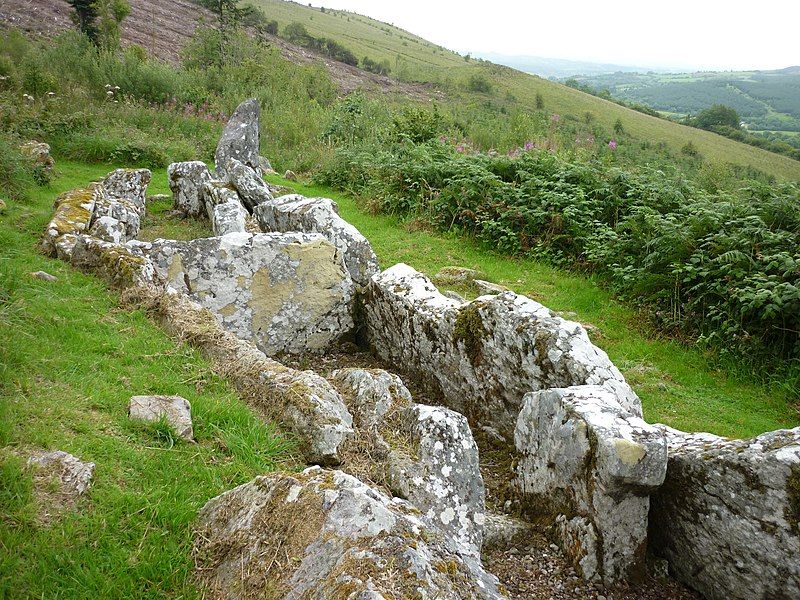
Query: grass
[70,359]
[415,59]
[678,385]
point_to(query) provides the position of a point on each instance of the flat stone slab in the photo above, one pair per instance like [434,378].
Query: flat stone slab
[286,292]
[175,410]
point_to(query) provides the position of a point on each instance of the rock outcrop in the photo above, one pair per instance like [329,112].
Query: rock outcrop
[321,215]
[187,180]
[240,138]
[176,411]
[286,292]
[485,355]
[428,454]
[349,541]
[73,215]
[590,464]
[728,515]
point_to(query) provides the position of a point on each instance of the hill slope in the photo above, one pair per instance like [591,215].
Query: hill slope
[415,59]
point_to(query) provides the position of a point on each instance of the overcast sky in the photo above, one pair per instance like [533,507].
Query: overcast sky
[712,34]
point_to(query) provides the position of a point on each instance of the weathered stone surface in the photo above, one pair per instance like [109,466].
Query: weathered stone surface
[592,464]
[251,188]
[290,176]
[115,220]
[487,287]
[431,457]
[286,292]
[44,276]
[351,542]
[321,215]
[502,531]
[73,214]
[129,184]
[455,296]
[74,476]
[265,166]
[240,138]
[216,193]
[186,180]
[728,515]
[39,152]
[229,217]
[119,265]
[485,355]
[175,410]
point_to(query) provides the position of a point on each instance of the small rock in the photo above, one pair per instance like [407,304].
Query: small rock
[290,176]
[175,409]
[2,206]
[487,287]
[454,296]
[265,166]
[75,476]
[44,276]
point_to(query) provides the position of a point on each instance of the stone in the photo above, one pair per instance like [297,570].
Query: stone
[129,184]
[290,176]
[285,292]
[350,541]
[279,190]
[455,275]
[321,215]
[240,138]
[487,287]
[44,276]
[2,206]
[229,217]
[454,296]
[39,152]
[186,180]
[485,355]
[590,463]
[73,215]
[175,410]
[155,198]
[431,457]
[265,166]
[215,193]
[502,531]
[251,188]
[59,480]
[121,266]
[728,515]
[115,220]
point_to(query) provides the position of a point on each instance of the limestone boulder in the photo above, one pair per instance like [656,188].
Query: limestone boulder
[485,355]
[591,465]
[251,188]
[130,185]
[429,455]
[115,219]
[175,410]
[187,180]
[348,540]
[321,215]
[240,138]
[728,515]
[73,215]
[229,217]
[121,266]
[285,292]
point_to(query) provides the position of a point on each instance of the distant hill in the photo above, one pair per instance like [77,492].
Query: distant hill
[766,100]
[559,67]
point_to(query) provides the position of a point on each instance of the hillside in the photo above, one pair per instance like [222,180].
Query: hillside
[766,100]
[419,70]
[415,59]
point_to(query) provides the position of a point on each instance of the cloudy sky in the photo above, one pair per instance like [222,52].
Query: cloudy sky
[713,34]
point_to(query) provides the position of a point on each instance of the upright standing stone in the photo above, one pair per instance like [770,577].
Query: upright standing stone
[240,138]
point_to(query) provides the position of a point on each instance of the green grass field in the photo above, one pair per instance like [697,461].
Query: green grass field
[415,59]
[70,359]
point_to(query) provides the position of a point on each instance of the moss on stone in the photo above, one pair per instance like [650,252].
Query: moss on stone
[792,511]
[470,330]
